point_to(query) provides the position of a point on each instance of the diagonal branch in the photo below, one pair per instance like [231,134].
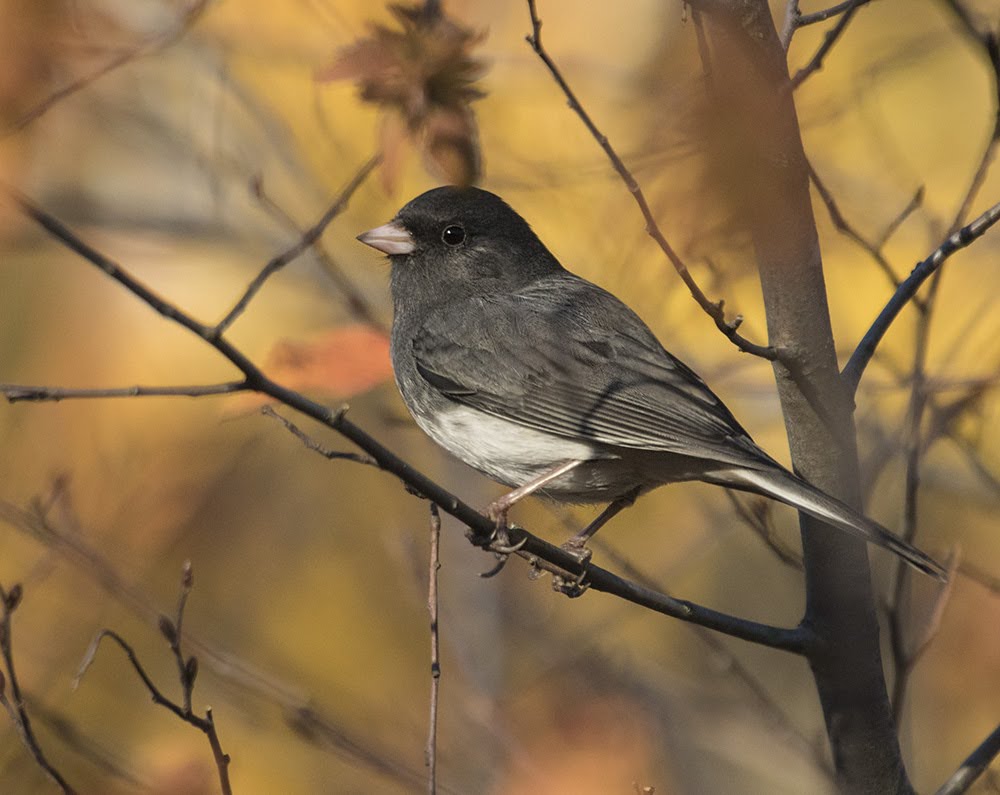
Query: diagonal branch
[307,239]
[714,309]
[149,46]
[829,39]
[9,600]
[974,765]
[862,355]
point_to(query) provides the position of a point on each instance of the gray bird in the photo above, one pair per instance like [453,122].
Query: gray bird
[546,382]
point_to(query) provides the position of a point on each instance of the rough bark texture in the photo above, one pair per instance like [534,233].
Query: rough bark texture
[760,143]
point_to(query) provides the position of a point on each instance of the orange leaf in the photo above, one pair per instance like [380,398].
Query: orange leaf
[340,363]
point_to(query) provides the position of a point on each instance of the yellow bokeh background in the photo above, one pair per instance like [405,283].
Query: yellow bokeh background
[308,610]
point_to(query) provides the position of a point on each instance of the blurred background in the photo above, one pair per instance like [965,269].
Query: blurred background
[191,142]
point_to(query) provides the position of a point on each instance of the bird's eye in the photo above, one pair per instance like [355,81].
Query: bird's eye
[453,235]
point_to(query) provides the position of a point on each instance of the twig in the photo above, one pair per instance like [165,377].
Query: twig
[430,754]
[187,670]
[308,238]
[151,45]
[312,444]
[755,513]
[356,302]
[795,19]
[974,765]
[796,640]
[298,707]
[862,355]
[842,225]
[9,600]
[16,393]
[714,309]
[829,39]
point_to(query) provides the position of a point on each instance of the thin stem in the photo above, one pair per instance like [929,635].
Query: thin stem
[9,600]
[430,754]
[307,239]
[713,309]
[965,236]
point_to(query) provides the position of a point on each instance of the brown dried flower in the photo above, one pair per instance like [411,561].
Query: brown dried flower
[424,76]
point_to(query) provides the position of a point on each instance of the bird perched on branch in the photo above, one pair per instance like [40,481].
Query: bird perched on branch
[547,383]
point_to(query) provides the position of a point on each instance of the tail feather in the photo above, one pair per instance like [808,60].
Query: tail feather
[781,485]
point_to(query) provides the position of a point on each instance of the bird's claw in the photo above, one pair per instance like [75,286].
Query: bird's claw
[578,585]
[571,586]
[499,544]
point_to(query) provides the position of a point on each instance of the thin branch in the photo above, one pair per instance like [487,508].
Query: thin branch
[974,765]
[15,393]
[795,19]
[9,600]
[714,309]
[862,355]
[755,512]
[316,447]
[790,24]
[308,238]
[297,707]
[829,39]
[149,46]
[430,753]
[829,13]
[842,225]
[356,302]
[187,671]
[532,548]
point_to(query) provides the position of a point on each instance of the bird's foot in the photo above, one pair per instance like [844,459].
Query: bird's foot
[577,548]
[571,586]
[501,546]
[574,586]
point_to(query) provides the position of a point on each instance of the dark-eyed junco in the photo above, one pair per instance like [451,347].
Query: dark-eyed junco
[546,382]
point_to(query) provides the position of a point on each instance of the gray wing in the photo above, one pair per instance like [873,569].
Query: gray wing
[566,357]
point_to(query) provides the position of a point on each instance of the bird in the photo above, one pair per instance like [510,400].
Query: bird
[546,382]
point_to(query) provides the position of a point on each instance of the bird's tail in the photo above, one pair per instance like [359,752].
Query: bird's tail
[781,485]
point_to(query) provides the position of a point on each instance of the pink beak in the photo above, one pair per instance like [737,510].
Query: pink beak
[391,238]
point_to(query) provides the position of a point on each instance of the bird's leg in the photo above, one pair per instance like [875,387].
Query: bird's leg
[577,545]
[497,510]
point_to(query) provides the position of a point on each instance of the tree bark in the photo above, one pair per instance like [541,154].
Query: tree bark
[759,141]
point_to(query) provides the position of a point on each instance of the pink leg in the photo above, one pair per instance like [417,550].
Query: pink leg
[497,510]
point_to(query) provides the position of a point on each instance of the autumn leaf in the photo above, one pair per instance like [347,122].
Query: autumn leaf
[423,76]
[340,363]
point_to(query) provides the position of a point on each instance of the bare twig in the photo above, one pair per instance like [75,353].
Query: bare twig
[299,708]
[149,46]
[755,512]
[15,706]
[974,765]
[356,302]
[714,309]
[307,239]
[829,39]
[187,670]
[16,393]
[862,355]
[795,19]
[430,753]
[842,225]
[530,547]
[316,447]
